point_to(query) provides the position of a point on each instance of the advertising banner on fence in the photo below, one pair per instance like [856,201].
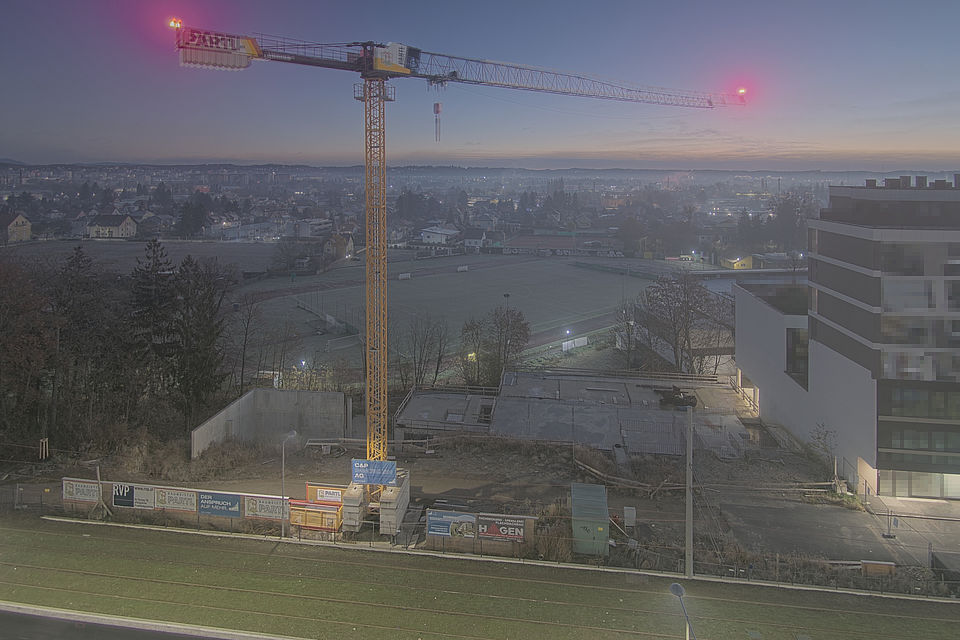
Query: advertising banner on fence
[219,504]
[133,496]
[500,528]
[266,508]
[317,493]
[375,472]
[177,499]
[451,524]
[81,491]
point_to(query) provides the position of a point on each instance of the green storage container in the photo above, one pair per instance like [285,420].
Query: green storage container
[591,519]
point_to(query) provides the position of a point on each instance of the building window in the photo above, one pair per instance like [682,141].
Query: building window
[902,259]
[798,342]
[903,295]
[919,403]
[953,295]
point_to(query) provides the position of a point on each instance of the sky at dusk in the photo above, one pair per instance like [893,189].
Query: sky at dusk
[842,84]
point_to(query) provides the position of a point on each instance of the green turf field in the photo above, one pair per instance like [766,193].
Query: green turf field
[323,592]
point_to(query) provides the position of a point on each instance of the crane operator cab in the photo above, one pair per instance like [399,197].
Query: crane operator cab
[395,57]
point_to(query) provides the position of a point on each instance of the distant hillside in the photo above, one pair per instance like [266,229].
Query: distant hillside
[9,161]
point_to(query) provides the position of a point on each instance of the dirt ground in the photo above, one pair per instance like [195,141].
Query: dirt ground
[745,511]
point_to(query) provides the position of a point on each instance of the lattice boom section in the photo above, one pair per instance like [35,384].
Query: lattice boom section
[440,68]
[374,96]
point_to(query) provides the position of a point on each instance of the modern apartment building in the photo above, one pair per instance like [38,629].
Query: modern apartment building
[876,361]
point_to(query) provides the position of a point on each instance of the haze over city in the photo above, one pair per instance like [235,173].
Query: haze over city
[838,86]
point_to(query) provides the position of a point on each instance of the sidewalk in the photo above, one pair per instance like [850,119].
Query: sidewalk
[921,526]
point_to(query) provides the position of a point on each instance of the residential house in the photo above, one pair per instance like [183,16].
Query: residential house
[14,227]
[494,239]
[486,221]
[740,262]
[438,235]
[337,247]
[473,239]
[119,226]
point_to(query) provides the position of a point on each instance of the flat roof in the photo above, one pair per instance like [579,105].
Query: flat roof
[788,299]
[595,410]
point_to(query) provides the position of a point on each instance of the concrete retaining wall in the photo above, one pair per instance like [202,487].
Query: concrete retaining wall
[266,414]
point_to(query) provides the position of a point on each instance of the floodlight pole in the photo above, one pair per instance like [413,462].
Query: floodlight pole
[688,556]
[283,475]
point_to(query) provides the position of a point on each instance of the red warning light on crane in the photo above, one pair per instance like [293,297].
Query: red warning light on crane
[175,23]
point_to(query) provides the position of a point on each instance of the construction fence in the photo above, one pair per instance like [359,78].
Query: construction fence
[204,508]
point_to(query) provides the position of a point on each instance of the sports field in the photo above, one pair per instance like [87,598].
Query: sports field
[323,592]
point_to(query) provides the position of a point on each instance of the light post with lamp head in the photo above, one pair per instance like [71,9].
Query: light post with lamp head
[678,590]
[283,474]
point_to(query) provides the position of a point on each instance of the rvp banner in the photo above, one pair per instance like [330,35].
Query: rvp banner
[133,495]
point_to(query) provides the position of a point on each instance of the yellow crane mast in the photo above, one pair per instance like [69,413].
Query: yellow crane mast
[376,63]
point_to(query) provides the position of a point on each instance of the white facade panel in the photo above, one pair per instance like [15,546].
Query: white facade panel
[761,353]
[844,399]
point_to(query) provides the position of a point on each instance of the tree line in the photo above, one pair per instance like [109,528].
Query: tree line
[89,357]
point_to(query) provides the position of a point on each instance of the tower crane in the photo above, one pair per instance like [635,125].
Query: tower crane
[376,63]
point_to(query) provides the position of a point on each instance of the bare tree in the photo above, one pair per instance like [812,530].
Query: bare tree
[626,332]
[710,333]
[421,349]
[507,335]
[440,346]
[339,374]
[684,320]
[492,344]
[247,325]
[471,346]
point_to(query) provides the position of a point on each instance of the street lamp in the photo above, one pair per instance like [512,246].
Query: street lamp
[678,590]
[283,474]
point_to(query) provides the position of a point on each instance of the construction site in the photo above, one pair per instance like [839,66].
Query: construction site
[555,465]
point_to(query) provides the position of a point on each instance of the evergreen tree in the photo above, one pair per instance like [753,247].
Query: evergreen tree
[161,195]
[85,194]
[198,327]
[153,298]
[193,217]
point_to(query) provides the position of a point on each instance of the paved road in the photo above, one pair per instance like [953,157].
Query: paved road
[786,525]
[17,626]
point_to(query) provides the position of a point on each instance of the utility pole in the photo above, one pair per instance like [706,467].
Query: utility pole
[688,555]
